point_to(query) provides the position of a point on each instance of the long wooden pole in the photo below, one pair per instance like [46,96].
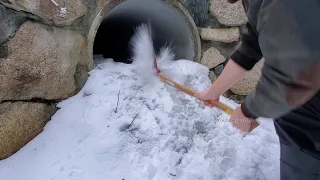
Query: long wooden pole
[191,92]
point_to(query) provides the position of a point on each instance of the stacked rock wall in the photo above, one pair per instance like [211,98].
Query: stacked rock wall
[43,59]
[219,24]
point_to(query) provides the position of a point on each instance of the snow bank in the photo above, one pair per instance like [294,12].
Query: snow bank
[153,132]
[173,136]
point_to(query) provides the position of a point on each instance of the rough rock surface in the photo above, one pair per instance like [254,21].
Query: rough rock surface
[218,69]
[9,22]
[227,13]
[63,14]
[41,63]
[212,76]
[20,122]
[200,12]
[212,57]
[249,82]
[226,35]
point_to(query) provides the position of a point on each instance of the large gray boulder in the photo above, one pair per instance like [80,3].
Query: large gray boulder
[20,122]
[41,63]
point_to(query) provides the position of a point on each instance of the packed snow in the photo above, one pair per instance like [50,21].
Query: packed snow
[63,12]
[122,126]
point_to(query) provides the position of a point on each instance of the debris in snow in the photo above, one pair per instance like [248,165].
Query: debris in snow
[117,102]
[63,12]
[135,117]
[54,2]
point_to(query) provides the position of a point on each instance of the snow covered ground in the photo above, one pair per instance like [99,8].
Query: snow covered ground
[125,124]
[156,133]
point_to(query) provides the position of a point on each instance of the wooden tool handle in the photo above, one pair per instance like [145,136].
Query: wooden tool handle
[253,125]
[191,92]
[176,85]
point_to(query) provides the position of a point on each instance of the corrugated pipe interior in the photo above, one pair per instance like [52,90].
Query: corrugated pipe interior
[169,28]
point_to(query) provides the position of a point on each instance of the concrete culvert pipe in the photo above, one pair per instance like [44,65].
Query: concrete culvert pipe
[170,26]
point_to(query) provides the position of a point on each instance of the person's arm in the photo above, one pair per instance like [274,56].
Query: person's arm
[242,60]
[230,75]
[291,48]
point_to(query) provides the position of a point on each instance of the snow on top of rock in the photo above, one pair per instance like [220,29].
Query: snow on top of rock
[63,12]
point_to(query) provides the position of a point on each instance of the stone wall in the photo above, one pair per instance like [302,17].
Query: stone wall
[219,24]
[43,59]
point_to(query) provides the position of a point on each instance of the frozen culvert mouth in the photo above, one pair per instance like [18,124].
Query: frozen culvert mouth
[170,25]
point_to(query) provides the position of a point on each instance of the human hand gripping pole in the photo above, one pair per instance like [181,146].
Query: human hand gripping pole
[191,92]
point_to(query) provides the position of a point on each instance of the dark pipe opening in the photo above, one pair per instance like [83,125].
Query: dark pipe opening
[117,28]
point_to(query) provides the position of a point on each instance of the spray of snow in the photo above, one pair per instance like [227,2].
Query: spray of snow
[143,53]
[165,61]
[165,58]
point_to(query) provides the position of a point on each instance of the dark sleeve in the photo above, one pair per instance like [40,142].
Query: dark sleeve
[290,76]
[248,52]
